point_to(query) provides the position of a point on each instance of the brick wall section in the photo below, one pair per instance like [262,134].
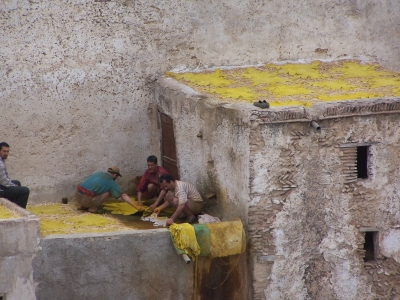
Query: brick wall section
[384,273]
[319,170]
[263,214]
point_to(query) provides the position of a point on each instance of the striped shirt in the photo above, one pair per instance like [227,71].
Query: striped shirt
[185,191]
[5,181]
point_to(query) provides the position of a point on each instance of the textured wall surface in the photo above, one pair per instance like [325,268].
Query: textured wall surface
[19,239]
[307,226]
[297,188]
[218,161]
[77,76]
[212,145]
[125,265]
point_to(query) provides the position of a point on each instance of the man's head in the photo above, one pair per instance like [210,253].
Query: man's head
[167,182]
[4,150]
[152,163]
[114,171]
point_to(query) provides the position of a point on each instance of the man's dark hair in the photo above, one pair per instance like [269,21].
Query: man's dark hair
[152,159]
[166,177]
[4,144]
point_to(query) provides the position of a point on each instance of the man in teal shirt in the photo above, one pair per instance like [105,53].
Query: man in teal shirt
[98,188]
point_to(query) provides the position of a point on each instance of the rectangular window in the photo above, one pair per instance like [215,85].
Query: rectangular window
[370,245]
[362,162]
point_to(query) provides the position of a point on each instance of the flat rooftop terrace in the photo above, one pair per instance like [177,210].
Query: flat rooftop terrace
[57,218]
[295,84]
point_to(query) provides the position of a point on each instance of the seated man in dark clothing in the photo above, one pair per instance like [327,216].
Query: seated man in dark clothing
[11,189]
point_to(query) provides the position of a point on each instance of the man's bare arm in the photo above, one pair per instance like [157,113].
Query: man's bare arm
[160,197]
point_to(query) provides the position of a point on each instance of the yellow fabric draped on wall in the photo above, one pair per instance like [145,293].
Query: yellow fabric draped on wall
[222,239]
[184,238]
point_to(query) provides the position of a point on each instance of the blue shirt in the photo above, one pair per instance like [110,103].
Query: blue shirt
[101,182]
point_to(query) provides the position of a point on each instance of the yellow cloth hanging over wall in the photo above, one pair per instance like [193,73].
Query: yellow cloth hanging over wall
[184,239]
[227,238]
[214,240]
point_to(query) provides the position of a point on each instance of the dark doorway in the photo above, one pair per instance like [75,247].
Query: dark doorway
[168,148]
[370,245]
[362,162]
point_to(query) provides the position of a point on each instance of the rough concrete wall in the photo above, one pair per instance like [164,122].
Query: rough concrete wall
[77,75]
[19,238]
[212,144]
[306,225]
[130,265]
[218,161]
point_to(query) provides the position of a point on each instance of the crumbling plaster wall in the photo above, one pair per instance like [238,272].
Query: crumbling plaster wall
[77,76]
[306,224]
[218,160]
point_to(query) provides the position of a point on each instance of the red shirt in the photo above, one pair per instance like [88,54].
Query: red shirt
[150,178]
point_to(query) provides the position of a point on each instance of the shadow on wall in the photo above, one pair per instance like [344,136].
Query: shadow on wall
[221,278]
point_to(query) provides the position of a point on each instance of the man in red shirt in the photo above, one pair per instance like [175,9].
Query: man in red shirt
[150,182]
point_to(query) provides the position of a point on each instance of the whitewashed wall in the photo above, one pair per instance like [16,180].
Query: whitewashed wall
[76,76]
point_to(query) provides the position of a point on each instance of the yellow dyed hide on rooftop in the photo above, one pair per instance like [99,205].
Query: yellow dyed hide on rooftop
[120,208]
[66,219]
[296,84]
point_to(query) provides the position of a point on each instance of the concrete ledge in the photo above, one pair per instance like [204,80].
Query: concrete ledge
[19,235]
[137,264]
[19,239]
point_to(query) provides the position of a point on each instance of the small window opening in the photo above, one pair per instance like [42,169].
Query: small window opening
[370,245]
[362,162]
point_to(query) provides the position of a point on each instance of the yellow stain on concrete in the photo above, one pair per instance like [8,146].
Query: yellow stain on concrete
[304,71]
[48,209]
[214,79]
[383,81]
[354,96]
[260,77]
[295,84]
[66,219]
[288,90]
[240,93]
[5,213]
[353,69]
[334,85]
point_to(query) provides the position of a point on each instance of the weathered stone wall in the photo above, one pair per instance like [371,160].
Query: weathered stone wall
[212,141]
[19,240]
[307,211]
[307,225]
[218,160]
[77,75]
